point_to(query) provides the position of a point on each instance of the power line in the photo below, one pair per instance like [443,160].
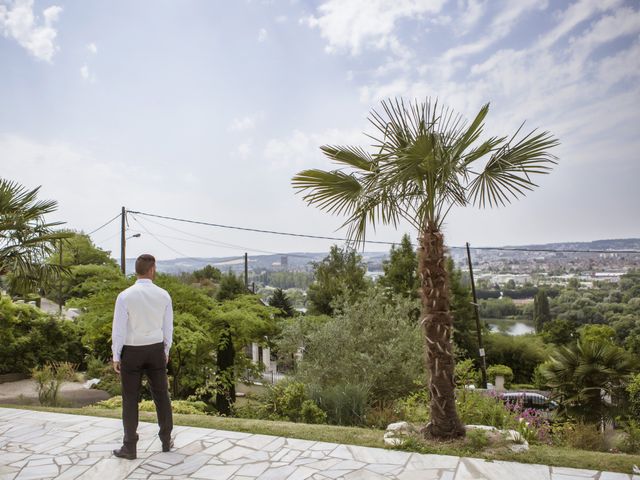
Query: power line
[257,230]
[222,244]
[321,237]
[103,225]
[164,243]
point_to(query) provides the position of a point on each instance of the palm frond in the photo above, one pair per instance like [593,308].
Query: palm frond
[507,174]
[354,157]
[335,192]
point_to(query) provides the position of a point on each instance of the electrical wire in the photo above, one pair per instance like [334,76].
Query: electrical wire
[257,230]
[321,237]
[223,244]
[103,225]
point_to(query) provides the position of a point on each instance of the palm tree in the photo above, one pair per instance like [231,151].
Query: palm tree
[586,374]
[427,160]
[26,239]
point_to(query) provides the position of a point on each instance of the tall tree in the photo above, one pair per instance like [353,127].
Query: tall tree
[231,287]
[541,310]
[26,237]
[280,301]
[427,160]
[342,271]
[401,270]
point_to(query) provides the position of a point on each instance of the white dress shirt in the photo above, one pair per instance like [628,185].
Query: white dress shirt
[143,316]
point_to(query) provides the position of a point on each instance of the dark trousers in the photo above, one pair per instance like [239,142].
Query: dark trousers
[150,360]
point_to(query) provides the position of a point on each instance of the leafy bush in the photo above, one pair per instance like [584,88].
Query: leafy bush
[413,408]
[31,338]
[631,441]
[465,374]
[287,400]
[506,372]
[49,379]
[373,342]
[478,409]
[177,406]
[633,390]
[522,353]
[586,436]
[95,366]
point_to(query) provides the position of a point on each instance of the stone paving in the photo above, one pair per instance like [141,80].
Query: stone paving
[39,445]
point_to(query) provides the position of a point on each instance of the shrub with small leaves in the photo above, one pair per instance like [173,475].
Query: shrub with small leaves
[49,379]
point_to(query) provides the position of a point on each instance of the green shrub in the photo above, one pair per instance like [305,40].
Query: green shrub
[477,439]
[413,408]
[30,338]
[95,367]
[465,374]
[477,409]
[633,390]
[311,413]
[374,342]
[49,380]
[586,436]
[177,406]
[522,353]
[631,441]
[505,371]
[344,404]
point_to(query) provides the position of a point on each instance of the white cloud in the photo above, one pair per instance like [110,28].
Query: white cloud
[302,150]
[21,24]
[263,35]
[281,19]
[501,25]
[473,11]
[92,48]
[247,122]
[573,16]
[354,25]
[244,150]
[85,73]
[623,22]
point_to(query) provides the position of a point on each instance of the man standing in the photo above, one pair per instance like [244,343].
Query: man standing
[141,340]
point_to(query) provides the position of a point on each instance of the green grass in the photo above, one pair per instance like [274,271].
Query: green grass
[367,437]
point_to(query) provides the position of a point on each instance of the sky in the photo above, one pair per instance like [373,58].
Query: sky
[205,110]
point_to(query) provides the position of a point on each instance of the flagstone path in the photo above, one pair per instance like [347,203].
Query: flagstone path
[39,445]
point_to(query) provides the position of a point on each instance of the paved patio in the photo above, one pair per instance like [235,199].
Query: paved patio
[39,445]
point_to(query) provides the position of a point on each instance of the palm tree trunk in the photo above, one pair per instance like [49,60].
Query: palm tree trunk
[437,325]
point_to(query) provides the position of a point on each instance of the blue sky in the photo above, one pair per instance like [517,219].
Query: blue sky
[205,110]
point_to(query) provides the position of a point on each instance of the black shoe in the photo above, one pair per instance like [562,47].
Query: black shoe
[167,446]
[124,452]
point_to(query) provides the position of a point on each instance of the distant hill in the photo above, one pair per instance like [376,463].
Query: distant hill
[612,244]
[302,260]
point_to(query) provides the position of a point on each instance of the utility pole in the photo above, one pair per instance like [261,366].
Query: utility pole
[123,241]
[246,270]
[483,362]
[60,283]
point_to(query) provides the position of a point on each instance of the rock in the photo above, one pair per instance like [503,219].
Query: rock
[519,447]
[400,426]
[487,428]
[397,432]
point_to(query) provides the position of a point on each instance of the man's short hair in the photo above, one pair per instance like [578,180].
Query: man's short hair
[144,263]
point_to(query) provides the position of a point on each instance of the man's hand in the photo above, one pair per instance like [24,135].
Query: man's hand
[116,366]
